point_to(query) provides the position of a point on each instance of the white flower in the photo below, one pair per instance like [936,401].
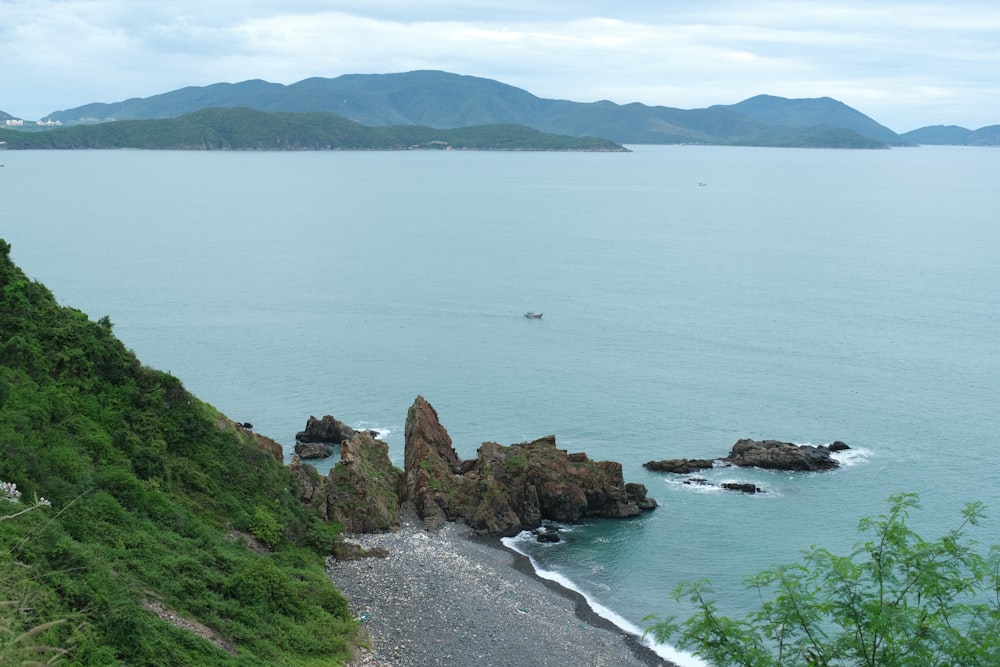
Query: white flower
[8,491]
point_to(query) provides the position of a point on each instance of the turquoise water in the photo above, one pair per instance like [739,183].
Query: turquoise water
[800,295]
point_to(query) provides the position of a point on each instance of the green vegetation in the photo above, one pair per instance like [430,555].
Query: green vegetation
[818,137]
[446,100]
[896,600]
[153,499]
[246,129]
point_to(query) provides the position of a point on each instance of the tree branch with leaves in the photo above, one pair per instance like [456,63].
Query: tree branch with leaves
[897,600]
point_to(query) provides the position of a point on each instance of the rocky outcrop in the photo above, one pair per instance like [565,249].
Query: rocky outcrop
[361,492]
[321,437]
[432,467]
[775,455]
[767,454]
[328,430]
[314,450]
[504,490]
[742,487]
[507,489]
[245,430]
[636,493]
[679,466]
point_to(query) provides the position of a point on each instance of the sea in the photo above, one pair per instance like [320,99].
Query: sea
[691,296]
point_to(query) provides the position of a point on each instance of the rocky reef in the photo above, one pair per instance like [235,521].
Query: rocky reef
[504,490]
[507,489]
[767,454]
[361,492]
[321,437]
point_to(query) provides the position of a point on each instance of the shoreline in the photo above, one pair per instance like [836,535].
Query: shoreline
[582,608]
[453,598]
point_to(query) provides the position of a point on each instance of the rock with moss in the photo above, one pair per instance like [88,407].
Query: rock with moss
[767,454]
[244,430]
[321,437]
[432,467]
[361,492]
[507,489]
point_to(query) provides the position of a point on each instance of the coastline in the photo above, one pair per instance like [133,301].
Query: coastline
[452,598]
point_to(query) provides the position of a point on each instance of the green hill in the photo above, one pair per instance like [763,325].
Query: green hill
[940,135]
[249,129]
[444,100]
[817,114]
[157,510]
[953,135]
[985,136]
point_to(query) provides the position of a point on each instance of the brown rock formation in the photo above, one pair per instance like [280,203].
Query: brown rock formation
[679,466]
[261,442]
[266,444]
[361,492]
[326,430]
[322,437]
[507,489]
[504,490]
[768,454]
[430,462]
[774,455]
[313,450]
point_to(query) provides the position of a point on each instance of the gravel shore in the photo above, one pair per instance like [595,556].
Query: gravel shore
[448,598]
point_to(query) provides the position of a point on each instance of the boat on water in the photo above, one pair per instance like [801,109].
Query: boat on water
[533,316]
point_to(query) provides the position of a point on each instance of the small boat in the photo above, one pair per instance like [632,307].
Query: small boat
[533,316]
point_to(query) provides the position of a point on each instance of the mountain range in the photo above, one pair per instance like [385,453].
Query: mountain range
[444,100]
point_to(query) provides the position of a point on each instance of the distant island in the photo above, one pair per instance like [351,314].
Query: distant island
[249,129]
[400,109]
[953,135]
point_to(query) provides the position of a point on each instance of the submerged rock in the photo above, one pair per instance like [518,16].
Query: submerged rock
[679,466]
[742,487]
[547,535]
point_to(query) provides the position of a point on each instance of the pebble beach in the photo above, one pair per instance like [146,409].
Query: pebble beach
[450,598]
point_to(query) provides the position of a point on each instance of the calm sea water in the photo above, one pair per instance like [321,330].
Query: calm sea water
[800,295]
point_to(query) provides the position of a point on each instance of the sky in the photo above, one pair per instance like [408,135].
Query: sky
[905,64]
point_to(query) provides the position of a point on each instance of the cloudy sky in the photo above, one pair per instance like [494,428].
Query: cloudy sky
[906,64]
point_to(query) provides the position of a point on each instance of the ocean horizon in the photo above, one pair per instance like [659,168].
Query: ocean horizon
[692,296]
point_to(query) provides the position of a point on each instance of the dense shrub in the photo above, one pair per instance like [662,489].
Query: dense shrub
[145,489]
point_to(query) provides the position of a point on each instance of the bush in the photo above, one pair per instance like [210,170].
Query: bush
[265,527]
[145,485]
[896,600]
[264,585]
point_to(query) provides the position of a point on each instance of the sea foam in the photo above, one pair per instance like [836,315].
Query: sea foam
[665,651]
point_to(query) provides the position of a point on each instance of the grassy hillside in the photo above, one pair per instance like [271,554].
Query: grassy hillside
[153,502]
[247,129]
